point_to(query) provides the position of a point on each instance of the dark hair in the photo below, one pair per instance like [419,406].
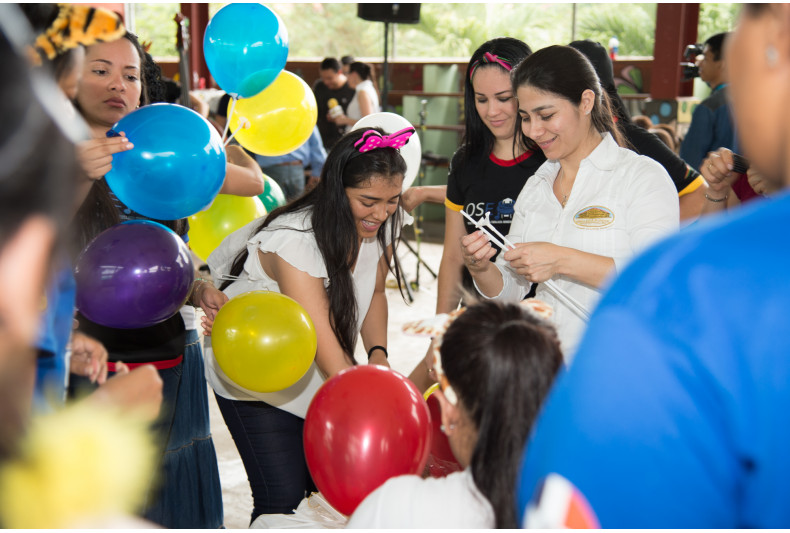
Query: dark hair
[567,73]
[501,361]
[145,66]
[98,211]
[156,89]
[363,69]
[39,165]
[602,63]
[335,230]
[330,63]
[716,44]
[41,17]
[347,60]
[478,139]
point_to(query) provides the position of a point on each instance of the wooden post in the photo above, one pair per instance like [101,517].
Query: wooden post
[198,20]
[676,27]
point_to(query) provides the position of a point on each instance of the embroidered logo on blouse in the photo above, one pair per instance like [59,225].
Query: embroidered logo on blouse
[593,217]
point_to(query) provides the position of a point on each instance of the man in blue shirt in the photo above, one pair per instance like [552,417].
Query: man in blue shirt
[289,170]
[675,413]
[711,123]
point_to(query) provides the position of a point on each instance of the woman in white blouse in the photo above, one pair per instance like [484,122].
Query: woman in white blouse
[366,99]
[587,210]
[330,250]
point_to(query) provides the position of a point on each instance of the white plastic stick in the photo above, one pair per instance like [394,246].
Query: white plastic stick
[484,225]
[243,125]
[227,119]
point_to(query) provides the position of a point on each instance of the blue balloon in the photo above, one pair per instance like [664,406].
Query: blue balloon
[246,47]
[176,167]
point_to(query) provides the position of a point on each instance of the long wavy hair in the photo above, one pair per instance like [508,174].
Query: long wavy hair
[334,227]
[501,360]
[478,140]
[567,73]
[98,212]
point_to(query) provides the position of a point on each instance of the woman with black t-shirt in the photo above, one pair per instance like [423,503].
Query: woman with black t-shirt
[488,171]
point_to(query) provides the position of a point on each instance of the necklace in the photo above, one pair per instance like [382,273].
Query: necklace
[564,195]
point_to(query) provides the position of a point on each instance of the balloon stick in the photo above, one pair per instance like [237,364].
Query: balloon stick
[243,125]
[230,114]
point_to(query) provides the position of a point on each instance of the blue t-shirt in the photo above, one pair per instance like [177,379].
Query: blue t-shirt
[676,410]
[53,340]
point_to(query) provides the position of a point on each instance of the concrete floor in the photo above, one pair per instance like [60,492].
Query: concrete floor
[404,353]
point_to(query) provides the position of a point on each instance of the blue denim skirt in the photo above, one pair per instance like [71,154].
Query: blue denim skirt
[188,493]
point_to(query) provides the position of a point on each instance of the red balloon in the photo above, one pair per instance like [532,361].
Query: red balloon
[365,425]
[441,460]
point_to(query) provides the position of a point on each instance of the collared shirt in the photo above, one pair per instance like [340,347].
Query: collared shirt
[620,203]
[311,153]
[711,128]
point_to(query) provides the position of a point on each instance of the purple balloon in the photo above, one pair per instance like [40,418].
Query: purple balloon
[133,275]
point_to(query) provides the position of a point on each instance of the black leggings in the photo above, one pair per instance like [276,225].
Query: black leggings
[269,441]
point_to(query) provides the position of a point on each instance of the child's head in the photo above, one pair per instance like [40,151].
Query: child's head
[500,360]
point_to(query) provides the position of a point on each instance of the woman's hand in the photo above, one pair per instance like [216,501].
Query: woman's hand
[210,299]
[717,171]
[759,184]
[138,391]
[88,358]
[95,155]
[536,261]
[477,251]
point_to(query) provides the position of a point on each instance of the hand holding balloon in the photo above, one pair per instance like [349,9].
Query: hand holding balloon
[95,155]
[210,299]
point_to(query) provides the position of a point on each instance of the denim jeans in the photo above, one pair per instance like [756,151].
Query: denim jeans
[290,178]
[189,494]
[269,441]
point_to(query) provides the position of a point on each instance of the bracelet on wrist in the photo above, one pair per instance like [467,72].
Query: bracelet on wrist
[716,200]
[377,347]
[195,285]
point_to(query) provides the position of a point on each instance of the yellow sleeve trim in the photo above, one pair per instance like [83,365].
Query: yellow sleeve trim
[693,186]
[450,205]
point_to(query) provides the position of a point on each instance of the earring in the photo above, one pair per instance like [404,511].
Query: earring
[443,429]
[771,56]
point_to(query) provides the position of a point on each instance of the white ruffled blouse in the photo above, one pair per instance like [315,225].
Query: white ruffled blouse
[291,237]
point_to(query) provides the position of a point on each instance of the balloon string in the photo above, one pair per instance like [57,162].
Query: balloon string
[227,121]
[243,125]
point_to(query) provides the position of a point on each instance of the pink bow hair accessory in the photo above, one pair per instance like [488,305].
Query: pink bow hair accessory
[372,139]
[491,58]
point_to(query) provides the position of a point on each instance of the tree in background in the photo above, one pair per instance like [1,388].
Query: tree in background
[317,30]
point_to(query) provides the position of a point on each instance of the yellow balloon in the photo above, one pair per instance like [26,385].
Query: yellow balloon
[281,117]
[227,214]
[263,341]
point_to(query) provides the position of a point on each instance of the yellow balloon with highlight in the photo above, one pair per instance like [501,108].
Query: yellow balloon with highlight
[263,341]
[280,118]
[226,214]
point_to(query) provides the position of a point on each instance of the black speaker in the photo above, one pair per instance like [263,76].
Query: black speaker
[400,13]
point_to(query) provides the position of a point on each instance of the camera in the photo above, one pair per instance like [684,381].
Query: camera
[690,68]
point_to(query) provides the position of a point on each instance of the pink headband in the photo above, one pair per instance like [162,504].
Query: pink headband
[488,57]
[372,139]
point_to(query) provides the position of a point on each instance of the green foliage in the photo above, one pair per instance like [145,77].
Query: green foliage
[716,18]
[632,24]
[154,23]
[318,30]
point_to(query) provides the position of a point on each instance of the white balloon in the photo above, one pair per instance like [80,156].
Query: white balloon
[411,151]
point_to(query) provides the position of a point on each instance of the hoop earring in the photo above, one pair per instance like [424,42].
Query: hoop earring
[771,56]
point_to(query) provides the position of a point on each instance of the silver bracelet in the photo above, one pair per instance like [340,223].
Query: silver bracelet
[716,200]
[194,289]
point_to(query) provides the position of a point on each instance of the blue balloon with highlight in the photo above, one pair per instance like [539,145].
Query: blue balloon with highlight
[177,165]
[246,47]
